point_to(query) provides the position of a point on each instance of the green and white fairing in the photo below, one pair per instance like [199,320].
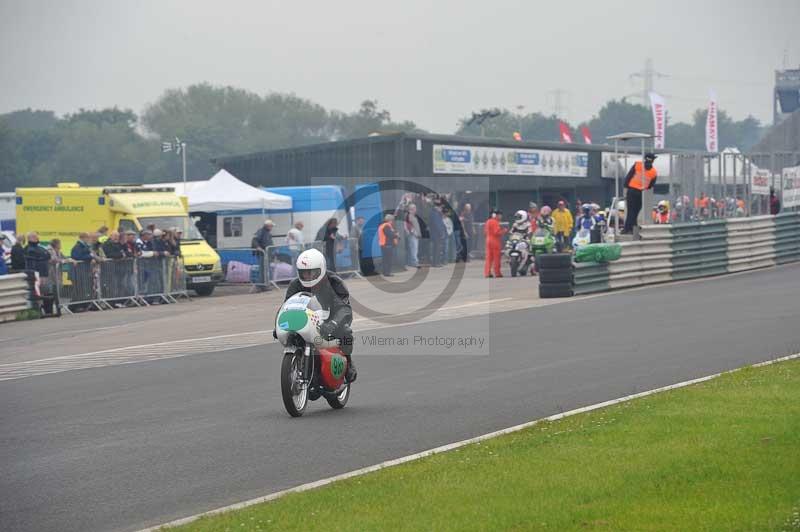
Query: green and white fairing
[302,314]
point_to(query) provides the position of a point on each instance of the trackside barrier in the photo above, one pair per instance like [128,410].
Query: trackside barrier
[277,263]
[117,283]
[691,250]
[13,295]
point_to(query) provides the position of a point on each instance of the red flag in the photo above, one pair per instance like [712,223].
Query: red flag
[566,134]
[587,136]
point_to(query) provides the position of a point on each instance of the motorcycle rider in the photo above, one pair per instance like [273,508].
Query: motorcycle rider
[521,223]
[545,218]
[587,220]
[333,296]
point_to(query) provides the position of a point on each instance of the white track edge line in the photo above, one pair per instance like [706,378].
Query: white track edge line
[450,446]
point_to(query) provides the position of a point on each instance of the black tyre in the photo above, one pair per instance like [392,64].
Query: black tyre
[555,261]
[514,263]
[555,290]
[295,398]
[339,401]
[555,276]
[204,290]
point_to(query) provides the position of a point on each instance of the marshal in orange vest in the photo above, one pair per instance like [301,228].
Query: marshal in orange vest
[382,234]
[642,184]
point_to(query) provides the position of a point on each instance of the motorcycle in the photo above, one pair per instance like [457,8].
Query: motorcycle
[542,242]
[312,366]
[518,251]
[582,238]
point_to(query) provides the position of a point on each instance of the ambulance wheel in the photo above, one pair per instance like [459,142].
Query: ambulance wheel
[204,290]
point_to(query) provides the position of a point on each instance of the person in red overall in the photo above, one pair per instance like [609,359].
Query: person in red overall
[494,234]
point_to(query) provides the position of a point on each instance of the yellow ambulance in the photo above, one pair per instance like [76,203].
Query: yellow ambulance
[68,209]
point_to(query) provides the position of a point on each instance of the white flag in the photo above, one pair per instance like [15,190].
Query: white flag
[166,146]
[712,133]
[659,108]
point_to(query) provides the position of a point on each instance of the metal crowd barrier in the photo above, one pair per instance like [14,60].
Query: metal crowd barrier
[277,263]
[110,284]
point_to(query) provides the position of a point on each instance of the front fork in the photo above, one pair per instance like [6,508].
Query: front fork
[307,366]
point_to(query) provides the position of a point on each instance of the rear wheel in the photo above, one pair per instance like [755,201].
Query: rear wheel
[340,400]
[294,393]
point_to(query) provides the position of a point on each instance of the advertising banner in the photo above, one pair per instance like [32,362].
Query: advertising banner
[659,108]
[760,181]
[712,143]
[486,160]
[791,187]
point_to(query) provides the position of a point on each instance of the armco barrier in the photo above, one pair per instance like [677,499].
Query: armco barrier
[13,295]
[691,250]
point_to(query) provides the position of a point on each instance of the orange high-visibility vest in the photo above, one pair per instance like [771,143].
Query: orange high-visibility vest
[381,234]
[636,180]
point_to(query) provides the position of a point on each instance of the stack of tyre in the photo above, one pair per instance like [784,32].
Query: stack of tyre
[555,275]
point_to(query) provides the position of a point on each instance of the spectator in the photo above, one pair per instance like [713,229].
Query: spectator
[102,234]
[413,233]
[494,234]
[562,219]
[263,237]
[56,256]
[129,245]
[144,246]
[112,247]
[36,256]
[178,239]
[467,231]
[774,202]
[387,238]
[438,235]
[328,234]
[160,245]
[358,232]
[173,242]
[449,227]
[294,237]
[82,250]
[18,254]
[533,215]
[261,241]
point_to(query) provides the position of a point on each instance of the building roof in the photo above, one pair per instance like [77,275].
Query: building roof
[429,137]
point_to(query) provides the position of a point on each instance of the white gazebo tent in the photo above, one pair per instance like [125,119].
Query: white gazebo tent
[224,192]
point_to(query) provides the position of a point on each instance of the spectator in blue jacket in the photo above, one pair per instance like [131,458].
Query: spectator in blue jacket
[82,250]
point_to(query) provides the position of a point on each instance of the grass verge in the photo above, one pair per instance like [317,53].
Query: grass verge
[721,455]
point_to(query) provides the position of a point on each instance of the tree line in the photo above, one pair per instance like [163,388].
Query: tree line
[102,146]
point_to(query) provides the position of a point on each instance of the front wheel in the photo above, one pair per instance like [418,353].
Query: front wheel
[295,394]
[338,401]
[204,290]
[514,263]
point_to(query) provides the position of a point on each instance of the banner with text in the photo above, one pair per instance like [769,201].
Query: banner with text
[760,181]
[659,108]
[712,143]
[791,187]
[486,160]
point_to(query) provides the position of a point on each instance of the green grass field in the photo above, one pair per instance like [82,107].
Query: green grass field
[722,455]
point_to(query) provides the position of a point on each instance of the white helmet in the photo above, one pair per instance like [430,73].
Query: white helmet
[311,267]
[521,216]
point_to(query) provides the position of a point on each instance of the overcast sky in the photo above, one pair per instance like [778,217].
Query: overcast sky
[427,61]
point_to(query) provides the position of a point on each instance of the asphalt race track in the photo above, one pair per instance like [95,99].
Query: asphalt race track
[128,446]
